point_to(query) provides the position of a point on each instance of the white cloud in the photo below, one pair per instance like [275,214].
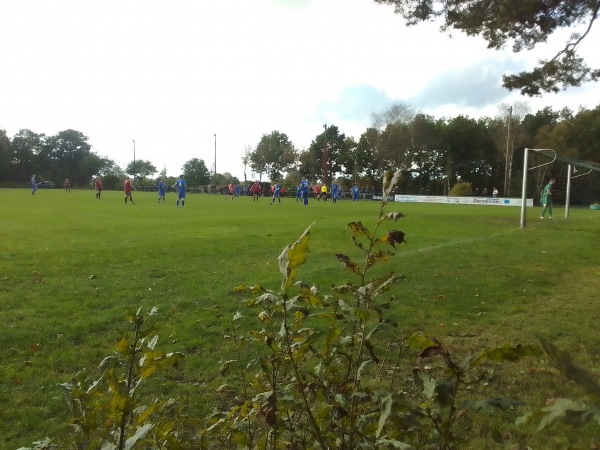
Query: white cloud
[172,74]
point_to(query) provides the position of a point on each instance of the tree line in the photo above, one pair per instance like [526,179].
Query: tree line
[436,153]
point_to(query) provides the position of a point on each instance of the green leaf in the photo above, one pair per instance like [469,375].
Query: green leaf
[153,342]
[395,408]
[419,342]
[385,283]
[140,433]
[570,412]
[292,257]
[123,347]
[491,405]
[507,353]
[392,443]
[569,369]
[445,393]
[386,409]
[371,349]
[256,289]
[383,324]
[429,385]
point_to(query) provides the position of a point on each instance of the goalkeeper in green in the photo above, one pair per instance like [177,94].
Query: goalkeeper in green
[546,199]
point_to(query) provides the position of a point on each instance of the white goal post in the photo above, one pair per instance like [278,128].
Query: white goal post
[575,169]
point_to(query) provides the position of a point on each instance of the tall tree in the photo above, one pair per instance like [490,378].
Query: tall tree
[274,155]
[585,134]
[397,113]
[62,153]
[470,152]
[367,164]
[140,168]
[196,173]
[426,161]
[525,23]
[324,159]
[5,155]
[92,164]
[246,161]
[26,145]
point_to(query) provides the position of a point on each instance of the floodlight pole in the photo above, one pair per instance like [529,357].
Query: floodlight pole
[524,192]
[215,173]
[134,161]
[508,152]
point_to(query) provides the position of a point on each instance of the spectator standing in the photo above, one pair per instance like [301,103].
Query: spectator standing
[33,184]
[162,190]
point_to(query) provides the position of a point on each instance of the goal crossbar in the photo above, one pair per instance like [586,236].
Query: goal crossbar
[572,164]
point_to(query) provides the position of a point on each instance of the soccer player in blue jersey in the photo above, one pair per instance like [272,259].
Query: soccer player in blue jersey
[162,188]
[181,188]
[276,193]
[304,187]
[355,193]
[334,192]
[236,191]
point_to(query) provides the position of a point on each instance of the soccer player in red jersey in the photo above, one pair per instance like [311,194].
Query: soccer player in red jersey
[127,187]
[99,187]
[255,189]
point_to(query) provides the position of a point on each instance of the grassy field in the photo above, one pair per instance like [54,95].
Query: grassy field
[72,266]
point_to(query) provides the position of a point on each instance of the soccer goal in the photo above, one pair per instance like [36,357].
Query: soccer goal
[577,182]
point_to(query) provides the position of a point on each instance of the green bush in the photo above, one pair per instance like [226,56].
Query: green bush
[461,189]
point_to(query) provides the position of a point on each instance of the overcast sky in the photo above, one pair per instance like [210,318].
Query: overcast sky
[172,74]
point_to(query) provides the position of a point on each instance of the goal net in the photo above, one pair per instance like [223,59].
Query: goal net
[577,182]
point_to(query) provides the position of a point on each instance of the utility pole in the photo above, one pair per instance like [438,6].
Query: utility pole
[508,153]
[325,162]
[134,161]
[215,154]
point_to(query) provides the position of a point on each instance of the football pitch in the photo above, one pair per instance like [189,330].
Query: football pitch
[73,266]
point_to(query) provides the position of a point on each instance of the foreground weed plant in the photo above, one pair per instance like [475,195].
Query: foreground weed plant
[110,413]
[311,388]
[320,384]
[572,412]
